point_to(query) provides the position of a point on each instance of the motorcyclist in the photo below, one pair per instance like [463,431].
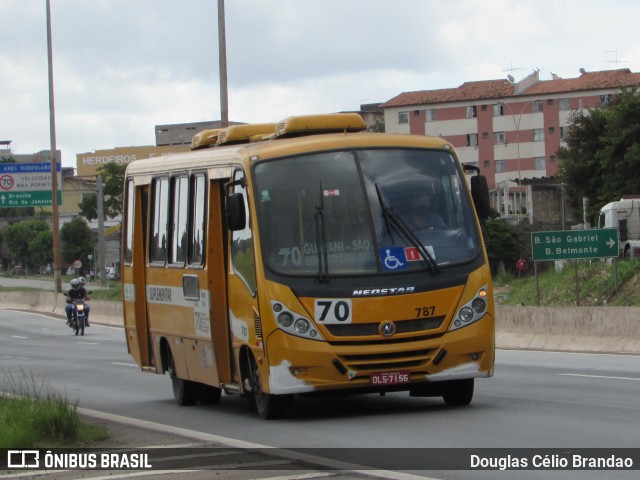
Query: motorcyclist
[76,292]
[83,281]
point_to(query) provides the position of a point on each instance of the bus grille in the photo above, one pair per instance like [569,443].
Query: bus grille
[370,329]
[390,360]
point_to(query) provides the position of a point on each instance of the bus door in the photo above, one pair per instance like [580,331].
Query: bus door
[244,317]
[216,267]
[134,276]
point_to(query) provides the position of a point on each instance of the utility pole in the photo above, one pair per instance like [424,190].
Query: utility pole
[222,57]
[101,249]
[57,274]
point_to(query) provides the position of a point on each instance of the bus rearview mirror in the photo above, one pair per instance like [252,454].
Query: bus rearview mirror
[236,214]
[480,194]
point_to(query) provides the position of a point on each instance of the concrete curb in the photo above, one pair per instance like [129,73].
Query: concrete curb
[573,329]
[102,311]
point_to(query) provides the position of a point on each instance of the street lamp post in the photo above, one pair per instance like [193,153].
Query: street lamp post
[516,124]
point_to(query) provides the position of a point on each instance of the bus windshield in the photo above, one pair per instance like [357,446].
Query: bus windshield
[364,212]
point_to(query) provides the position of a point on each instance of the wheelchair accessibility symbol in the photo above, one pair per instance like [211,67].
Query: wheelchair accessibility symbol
[393,258]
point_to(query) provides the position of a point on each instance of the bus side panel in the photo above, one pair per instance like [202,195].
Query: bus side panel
[135,304]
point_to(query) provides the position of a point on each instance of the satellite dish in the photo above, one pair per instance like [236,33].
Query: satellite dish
[510,78]
[583,71]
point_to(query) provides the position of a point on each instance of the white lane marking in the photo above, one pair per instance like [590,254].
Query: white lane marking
[125,364]
[89,343]
[232,466]
[32,473]
[235,443]
[19,336]
[302,476]
[561,352]
[598,376]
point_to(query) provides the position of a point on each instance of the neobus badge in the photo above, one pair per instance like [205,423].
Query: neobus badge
[383,291]
[387,329]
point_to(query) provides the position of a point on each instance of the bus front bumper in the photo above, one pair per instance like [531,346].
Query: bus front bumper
[299,365]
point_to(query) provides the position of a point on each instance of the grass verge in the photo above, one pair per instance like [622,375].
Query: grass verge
[33,415]
[594,285]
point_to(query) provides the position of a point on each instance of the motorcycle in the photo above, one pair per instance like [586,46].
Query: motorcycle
[78,316]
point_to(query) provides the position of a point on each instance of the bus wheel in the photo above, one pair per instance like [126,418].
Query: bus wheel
[208,395]
[269,406]
[457,392]
[184,391]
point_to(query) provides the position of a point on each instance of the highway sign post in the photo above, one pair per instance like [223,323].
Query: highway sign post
[27,185]
[574,245]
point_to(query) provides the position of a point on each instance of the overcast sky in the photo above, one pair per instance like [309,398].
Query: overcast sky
[123,66]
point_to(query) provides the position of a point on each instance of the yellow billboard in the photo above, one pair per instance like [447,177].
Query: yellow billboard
[89,163]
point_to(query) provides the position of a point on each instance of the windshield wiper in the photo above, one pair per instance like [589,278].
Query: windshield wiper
[391,214]
[323,261]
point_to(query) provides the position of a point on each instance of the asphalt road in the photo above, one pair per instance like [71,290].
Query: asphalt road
[535,400]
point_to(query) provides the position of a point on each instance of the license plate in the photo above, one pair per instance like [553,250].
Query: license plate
[389,378]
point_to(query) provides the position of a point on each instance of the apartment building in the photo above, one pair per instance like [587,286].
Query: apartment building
[510,130]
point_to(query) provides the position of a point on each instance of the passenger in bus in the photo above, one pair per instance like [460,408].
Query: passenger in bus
[423,215]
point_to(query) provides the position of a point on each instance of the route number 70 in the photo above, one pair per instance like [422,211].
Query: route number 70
[333,311]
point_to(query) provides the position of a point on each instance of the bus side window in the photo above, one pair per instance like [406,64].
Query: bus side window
[179,214]
[129,218]
[198,219]
[242,252]
[159,225]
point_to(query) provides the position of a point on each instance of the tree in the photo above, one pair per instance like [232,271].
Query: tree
[41,248]
[502,243]
[76,240]
[113,190]
[18,238]
[602,158]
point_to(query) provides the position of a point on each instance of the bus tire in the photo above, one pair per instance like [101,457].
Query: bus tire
[208,395]
[268,406]
[456,393]
[184,391]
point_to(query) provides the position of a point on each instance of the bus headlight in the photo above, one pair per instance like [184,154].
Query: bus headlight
[466,314]
[479,305]
[301,326]
[472,311]
[285,319]
[294,323]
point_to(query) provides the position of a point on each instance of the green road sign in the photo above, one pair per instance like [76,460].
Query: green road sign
[27,199]
[574,244]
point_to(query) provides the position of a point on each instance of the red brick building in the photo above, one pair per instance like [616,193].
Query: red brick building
[511,130]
